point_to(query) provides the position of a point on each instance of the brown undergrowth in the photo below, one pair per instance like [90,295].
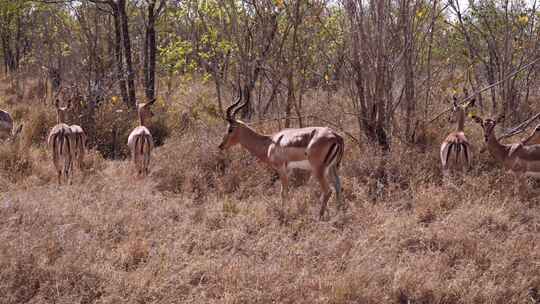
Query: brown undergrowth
[207,227]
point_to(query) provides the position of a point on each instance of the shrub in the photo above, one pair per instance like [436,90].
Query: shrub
[113,124]
[37,126]
[15,162]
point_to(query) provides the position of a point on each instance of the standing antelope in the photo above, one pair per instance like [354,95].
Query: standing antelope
[7,132]
[140,140]
[523,160]
[60,141]
[456,141]
[317,149]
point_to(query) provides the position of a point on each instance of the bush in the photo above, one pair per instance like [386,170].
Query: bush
[112,131]
[15,162]
[37,126]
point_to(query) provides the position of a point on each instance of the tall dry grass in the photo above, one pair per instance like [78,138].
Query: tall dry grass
[208,227]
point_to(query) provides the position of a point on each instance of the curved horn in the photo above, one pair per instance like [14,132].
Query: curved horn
[240,107]
[229,115]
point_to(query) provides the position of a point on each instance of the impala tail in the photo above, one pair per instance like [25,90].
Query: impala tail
[460,150]
[146,149]
[335,153]
[143,147]
[333,162]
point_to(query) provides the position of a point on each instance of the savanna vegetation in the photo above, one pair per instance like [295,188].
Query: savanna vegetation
[207,226]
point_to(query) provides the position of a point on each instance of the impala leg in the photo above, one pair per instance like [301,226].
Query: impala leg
[337,187]
[522,187]
[58,168]
[69,162]
[147,162]
[283,176]
[326,192]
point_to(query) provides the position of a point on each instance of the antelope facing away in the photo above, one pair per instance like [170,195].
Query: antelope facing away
[7,132]
[60,141]
[140,140]
[456,141]
[317,149]
[522,159]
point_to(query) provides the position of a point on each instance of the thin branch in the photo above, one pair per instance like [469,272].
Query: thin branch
[471,96]
[519,128]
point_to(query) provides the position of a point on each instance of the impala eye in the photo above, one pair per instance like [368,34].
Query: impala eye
[230,130]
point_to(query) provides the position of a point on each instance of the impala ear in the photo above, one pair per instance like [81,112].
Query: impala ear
[471,103]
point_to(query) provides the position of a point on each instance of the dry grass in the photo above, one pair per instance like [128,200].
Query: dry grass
[207,227]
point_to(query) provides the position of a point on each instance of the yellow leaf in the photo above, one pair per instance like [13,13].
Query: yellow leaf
[523,20]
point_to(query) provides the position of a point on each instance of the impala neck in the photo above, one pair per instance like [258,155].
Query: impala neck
[143,121]
[498,150]
[60,116]
[257,144]
[461,120]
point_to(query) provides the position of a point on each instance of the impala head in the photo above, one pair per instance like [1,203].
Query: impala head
[232,136]
[61,111]
[460,112]
[488,124]
[145,112]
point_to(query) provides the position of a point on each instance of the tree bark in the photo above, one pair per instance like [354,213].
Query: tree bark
[150,48]
[127,53]
[118,55]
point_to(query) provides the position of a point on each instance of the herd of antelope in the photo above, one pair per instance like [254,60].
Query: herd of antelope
[316,149]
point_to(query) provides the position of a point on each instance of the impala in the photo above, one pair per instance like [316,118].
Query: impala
[317,149]
[456,141]
[140,140]
[60,141]
[7,132]
[523,160]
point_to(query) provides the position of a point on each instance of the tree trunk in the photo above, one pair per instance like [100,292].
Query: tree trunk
[410,100]
[118,55]
[127,53]
[150,53]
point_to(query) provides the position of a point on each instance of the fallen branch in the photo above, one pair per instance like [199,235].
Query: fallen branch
[519,128]
[487,88]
